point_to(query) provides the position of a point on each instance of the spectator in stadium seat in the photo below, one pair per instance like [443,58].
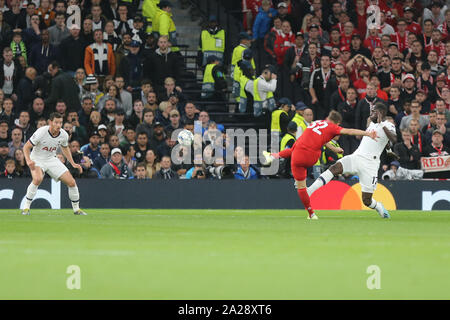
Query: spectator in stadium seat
[25,91]
[158,137]
[125,96]
[43,53]
[245,171]
[38,110]
[112,93]
[175,122]
[130,137]
[85,112]
[63,88]
[58,31]
[16,141]
[409,153]
[103,158]
[99,64]
[152,102]
[147,123]
[137,116]
[109,112]
[162,64]
[92,151]
[165,147]
[142,146]
[4,155]
[72,50]
[190,113]
[128,153]
[79,131]
[443,125]
[151,164]
[4,131]
[141,173]
[415,114]
[436,149]
[116,167]
[95,119]
[130,67]
[10,74]
[166,172]
[25,124]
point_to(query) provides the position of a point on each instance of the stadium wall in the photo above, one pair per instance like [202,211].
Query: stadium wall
[225,194]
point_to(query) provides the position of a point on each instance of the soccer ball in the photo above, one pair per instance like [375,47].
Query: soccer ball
[185,138]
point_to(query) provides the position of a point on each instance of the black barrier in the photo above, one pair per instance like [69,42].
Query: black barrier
[207,194]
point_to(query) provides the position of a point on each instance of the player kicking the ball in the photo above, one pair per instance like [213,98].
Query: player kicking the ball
[44,142]
[365,161]
[307,149]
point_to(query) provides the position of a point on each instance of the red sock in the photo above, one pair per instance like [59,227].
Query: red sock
[303,194]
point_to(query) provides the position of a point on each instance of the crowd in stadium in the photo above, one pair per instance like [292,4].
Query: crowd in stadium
[114,76]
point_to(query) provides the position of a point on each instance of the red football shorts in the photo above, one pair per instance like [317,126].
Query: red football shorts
[301,160]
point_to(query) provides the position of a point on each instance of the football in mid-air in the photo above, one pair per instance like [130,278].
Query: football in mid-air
[185,138]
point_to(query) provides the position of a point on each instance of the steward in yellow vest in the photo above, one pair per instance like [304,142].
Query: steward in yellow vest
[247,55]
[298,118]
[212,41]
[246,73]
[214,83]
[163,24]
[280,117]
[287,142]
[149,9]
[245,41]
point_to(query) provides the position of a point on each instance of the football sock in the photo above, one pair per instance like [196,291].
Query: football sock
[74,197]
[375,205]
[320,181]
[303,194]
[31,192]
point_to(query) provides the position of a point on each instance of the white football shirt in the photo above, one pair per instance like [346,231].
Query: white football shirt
[370,148]
[45,145]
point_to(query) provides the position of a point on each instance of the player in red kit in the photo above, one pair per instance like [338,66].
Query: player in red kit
[307,149]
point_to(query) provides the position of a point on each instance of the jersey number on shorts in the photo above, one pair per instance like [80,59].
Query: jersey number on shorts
[317,125]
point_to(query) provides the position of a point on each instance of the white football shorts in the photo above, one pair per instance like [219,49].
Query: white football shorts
[53,167]
[365,169]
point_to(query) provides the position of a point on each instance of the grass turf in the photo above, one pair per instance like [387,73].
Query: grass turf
[224,254]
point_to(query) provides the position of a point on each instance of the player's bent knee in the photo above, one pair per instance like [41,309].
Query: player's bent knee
[367,201]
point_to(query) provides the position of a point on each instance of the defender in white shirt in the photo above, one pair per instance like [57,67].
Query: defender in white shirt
[365,161]
[42,159]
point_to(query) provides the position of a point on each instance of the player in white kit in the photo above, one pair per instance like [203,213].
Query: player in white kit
[45,142]
[365,161]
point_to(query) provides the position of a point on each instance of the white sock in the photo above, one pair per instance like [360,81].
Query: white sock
[320,182]
[31,192]
[74,197]
[375,205]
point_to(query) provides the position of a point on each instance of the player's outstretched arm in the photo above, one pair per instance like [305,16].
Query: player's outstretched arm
[391,135]
[357,132]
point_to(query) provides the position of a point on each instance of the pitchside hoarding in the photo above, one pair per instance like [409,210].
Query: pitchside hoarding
[225,194]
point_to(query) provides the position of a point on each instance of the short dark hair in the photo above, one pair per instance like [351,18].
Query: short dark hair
[54,115]
[381,107]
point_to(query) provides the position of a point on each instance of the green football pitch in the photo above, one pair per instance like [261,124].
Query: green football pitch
[224,254]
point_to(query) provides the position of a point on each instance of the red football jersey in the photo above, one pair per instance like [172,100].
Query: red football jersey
[317,134]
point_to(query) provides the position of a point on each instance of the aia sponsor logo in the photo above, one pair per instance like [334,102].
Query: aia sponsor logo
[49,149]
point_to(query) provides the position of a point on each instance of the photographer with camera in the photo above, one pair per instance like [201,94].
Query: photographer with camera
[196,172]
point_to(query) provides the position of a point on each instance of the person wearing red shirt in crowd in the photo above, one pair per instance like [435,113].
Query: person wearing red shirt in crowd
[307,149]
[345,55]
[356,64]
[335,57]
[400,37]
[343,19]
[335,40]
[361,84]
[361,17]
[346,36]
[385,42]
[373,40]
[445,26]
[413,26]
[380,93]
[436,44]
[250,10]
[284,40]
